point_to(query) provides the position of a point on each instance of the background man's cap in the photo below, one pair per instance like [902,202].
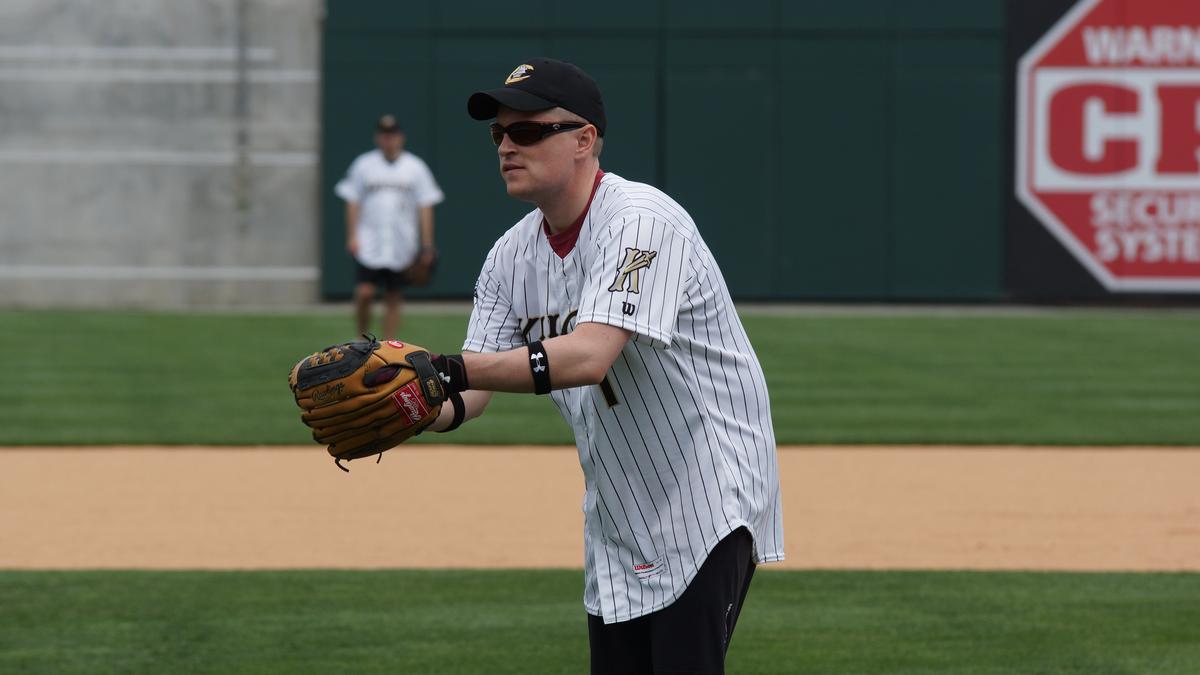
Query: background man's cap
[539,84]
[388,124]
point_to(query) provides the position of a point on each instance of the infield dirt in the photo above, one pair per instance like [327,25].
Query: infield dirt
[476,507]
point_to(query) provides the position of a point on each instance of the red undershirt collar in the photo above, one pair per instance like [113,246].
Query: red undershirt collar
[564,241]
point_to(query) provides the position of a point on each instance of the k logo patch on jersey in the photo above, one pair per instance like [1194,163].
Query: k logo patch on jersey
[629,276]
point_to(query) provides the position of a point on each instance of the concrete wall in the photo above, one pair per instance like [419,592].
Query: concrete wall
[159,153]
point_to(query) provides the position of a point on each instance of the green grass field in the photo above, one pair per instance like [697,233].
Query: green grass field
[1087,378]
[494,622]
[1076,378]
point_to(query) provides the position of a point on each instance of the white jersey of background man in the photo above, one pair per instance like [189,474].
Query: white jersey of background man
[390,196]
[676,443]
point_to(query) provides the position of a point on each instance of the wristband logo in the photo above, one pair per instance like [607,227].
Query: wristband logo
[537,359]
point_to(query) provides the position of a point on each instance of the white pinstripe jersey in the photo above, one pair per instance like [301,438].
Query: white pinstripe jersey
[676,444]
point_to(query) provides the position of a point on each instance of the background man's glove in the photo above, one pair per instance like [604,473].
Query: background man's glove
[420,273]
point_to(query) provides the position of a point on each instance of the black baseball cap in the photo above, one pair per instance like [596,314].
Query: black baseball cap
[539,84]
[388,125]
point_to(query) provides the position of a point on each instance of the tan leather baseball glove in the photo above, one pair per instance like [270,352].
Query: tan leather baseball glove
[365,397]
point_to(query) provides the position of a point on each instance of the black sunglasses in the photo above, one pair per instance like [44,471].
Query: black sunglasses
[528,133]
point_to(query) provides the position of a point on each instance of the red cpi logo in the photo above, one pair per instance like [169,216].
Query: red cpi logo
[1108,140]
[395,343]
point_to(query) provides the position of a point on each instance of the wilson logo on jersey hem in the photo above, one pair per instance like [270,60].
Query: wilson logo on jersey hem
[648,570]
[409,401]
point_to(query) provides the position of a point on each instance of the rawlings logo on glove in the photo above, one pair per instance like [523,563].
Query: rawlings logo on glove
[363,398]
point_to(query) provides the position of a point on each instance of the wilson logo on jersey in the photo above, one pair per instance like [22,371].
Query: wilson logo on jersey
[647,571]
[629,277]
[521,72]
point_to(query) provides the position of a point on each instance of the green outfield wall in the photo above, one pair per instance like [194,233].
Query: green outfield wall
[827,151]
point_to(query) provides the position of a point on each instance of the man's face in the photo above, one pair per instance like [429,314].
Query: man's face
[390,142]
[536,172]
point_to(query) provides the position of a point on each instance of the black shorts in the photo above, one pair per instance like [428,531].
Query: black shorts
[380,278]
[692,634]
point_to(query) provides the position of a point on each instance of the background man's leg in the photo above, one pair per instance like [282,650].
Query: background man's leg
[364,294]
[391,317]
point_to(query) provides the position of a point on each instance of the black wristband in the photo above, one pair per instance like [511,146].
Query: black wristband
[460,412]
[453,373]
[539,366]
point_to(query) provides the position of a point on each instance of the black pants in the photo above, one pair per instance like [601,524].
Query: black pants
[691,635]
[384,278]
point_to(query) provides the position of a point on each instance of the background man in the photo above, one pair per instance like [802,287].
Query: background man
[606,298]
[390,195]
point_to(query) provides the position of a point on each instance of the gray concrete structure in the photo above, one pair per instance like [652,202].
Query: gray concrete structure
[159,153]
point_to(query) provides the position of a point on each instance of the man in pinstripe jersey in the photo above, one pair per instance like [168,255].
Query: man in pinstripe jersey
[606,298]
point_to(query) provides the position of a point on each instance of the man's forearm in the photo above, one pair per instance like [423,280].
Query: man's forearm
[427,227]
[351,219]
[580,358]
[474,403]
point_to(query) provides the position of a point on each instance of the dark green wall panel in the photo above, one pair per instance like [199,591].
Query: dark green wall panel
[836,16]
[720,14]
[491,16]
[379,15]
[947,162]
[844,151]
[832,239]
[720,151]
[983,15]
[613,16]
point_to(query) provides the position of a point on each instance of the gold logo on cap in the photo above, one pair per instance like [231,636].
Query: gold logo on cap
[519,73]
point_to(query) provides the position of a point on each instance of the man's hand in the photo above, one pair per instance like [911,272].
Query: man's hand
[421,271]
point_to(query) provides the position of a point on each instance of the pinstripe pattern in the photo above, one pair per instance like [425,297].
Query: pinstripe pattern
[687,453]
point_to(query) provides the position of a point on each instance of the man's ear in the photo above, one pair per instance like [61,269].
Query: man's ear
[587,139]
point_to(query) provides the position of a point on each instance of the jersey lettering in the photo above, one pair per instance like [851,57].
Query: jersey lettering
[549,326]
